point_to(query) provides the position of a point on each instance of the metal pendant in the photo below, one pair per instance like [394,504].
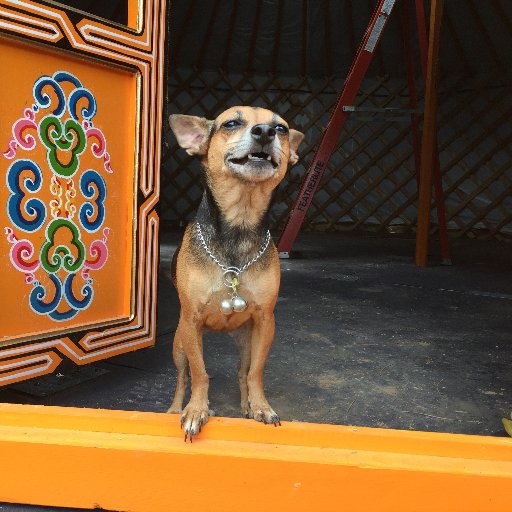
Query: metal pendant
[226,306]
[238,303]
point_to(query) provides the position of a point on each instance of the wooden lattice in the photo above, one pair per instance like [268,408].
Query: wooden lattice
[370,182]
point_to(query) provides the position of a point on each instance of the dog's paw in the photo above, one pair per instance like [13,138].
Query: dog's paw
[263,413]
[246,409]
[193,419]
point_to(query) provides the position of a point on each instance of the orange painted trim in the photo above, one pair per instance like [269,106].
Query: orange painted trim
[138,462]
[134,14]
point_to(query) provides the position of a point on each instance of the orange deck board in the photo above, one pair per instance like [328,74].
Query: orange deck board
[136,461]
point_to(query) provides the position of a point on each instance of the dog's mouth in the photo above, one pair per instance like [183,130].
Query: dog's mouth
[260,159]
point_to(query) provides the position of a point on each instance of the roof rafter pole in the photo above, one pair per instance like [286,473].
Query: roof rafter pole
[229,39]
[252,49]
[277,37]
[351,32]
[305,38]
[208,35]
[405,31]
[328,38]
[429,139]
[181,35]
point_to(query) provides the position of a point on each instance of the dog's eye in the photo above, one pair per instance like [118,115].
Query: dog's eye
[230,125]
[280,128]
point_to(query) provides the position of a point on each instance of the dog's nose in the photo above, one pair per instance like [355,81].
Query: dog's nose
[263,133]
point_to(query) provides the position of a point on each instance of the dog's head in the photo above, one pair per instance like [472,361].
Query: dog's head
[249,143]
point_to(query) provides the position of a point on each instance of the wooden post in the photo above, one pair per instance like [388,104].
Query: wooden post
[429,139]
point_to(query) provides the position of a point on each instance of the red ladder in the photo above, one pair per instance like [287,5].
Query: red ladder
[344,105]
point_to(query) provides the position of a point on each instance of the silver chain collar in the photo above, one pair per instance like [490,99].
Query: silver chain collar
[232,270]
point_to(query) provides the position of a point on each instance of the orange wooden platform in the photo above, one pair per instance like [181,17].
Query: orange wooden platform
[135,461]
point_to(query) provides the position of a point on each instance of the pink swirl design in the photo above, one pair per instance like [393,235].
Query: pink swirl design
[106,163]
[99,252]
[21,252]
[99,147]
[20,138]
[11,237]
[11,151]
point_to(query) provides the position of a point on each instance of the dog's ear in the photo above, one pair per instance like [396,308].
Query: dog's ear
[192,132]
[295,140]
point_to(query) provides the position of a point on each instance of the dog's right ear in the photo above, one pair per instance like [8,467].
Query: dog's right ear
[192,132]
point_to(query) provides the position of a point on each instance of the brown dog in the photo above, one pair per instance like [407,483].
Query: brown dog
[227,268]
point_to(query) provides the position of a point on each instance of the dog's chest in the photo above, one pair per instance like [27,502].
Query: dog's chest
[217,321]
[214,319]
[212,316]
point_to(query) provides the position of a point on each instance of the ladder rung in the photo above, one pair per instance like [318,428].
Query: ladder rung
[386,110]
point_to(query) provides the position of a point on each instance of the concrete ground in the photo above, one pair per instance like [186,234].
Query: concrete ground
[363,337]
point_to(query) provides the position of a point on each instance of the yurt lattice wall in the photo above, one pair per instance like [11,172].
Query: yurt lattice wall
[292,57]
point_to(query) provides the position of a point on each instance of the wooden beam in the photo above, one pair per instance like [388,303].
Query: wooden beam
[429,138]
[138,462]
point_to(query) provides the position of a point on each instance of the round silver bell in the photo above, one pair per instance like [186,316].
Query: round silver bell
[226,306]
[239,304]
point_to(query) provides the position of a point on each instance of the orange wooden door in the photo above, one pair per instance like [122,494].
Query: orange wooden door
[80,122]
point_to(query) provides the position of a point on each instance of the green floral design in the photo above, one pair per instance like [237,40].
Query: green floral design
[56,136]
[62,256]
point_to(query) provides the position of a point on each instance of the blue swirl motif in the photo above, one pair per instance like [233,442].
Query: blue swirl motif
[76,304]
[43,99]
[62,290]
[86,214]
[87,112]
[87,292]
[64,76]
[38,294]
[34,208]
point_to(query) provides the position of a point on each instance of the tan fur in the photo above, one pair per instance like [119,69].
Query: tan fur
[243,201]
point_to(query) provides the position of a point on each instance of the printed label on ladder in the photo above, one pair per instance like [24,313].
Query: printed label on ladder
[375,33]
[387,7]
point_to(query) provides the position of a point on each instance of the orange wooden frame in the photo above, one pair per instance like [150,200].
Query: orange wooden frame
[138,462]
[138,49]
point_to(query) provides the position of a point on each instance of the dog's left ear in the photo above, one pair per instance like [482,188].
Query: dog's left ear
[192,132]
[295,140]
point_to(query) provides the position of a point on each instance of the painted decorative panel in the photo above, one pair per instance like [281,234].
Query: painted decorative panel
[80,119]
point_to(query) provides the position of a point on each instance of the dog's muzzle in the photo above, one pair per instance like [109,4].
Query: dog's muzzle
[255,158]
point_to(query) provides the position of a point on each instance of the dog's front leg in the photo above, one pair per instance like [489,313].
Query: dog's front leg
[242,337]
[181,363]
[190,335]
[261,339]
